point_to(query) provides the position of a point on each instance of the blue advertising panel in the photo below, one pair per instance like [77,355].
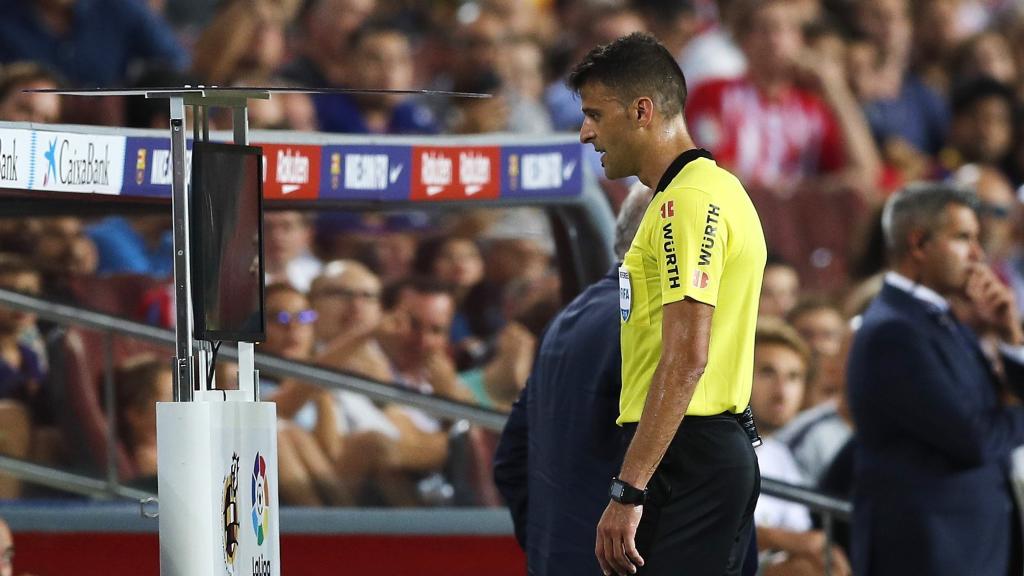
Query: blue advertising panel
[147,167]
[350,172]
[541,171]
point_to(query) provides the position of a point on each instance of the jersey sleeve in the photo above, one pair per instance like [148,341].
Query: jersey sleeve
[691,245]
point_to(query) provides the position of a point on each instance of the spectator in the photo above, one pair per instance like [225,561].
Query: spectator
[480,115]
[17,106]
[902,108]
[820,323]
[998,213]
[91,43]
[939,28]
[384,53]
[63,251]
[21,373]
[780,288]
[816,435]
[285,111]
[497,384]
[456,261]
[713,53]
[7,550]
[523,77]
[287,249]
[674,23]
[140,383]
[307,429]
[602,26]
[244,38]
[136,245]
[769,130]
[982,126]
[986,54]
[15,442]
[789,546]
[415,338]
[327,27]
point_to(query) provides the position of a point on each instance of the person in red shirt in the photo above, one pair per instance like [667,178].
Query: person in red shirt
[768,126]
[794,134]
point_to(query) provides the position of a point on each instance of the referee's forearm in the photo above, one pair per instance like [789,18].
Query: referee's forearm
[667,399]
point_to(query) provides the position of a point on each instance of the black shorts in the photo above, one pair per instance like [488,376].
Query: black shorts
[699,514]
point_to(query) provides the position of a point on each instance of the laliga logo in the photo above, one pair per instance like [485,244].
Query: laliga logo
[260,499]
[229,511]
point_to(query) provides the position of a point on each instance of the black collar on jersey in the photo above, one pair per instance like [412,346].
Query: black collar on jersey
[679,163]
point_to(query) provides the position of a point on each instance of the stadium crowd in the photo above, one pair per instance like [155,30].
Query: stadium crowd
[823,108]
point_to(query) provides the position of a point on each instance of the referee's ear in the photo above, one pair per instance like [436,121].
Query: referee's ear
[644,108]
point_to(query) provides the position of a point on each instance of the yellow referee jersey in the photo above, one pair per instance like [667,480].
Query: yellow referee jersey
[700,238]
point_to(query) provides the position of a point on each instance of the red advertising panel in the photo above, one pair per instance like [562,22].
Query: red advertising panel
[291,171]
[455,173]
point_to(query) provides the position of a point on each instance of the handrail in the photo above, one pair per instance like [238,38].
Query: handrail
[442,407]
[68,481]
[816,501]
[491,419]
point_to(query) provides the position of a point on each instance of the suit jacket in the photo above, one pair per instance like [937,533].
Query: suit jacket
[931,493]
[561,447]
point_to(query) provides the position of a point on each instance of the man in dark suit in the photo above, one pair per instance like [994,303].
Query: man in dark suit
[561,446]
[931,492]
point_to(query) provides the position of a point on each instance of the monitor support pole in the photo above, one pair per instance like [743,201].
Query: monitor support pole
[193,358]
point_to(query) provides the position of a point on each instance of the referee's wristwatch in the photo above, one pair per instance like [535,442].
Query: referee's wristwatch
[623,493]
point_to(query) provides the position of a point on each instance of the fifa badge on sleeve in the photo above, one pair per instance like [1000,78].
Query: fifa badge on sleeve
[625,294]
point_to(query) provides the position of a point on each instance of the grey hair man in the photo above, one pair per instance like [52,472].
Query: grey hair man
[933,432]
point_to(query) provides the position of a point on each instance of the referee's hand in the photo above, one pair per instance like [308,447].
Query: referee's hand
[616,535]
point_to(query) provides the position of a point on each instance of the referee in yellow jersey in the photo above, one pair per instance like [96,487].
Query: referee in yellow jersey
[684,500]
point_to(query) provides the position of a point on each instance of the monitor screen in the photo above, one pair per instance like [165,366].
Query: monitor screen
[227,242]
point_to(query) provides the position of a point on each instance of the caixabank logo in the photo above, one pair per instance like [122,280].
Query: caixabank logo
[229,512]
[260,499]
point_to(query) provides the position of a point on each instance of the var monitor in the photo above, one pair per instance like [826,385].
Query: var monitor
[227,242]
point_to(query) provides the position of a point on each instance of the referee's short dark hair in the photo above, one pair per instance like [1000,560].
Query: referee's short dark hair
[919,206]
[633,66]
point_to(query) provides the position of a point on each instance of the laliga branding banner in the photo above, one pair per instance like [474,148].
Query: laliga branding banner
[141,166]
[147,166]
[65,162]
[15,158]
[541,170]
[366,172]
[218,488]
[455,173]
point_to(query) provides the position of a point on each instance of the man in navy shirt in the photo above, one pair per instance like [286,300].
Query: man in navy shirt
[561,445]
[91,43]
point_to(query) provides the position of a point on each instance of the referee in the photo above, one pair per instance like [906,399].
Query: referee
[684,499]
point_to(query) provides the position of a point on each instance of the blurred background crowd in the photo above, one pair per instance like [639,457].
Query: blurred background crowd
[823,108]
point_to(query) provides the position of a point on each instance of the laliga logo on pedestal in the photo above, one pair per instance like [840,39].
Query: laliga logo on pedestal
[260,499]
[260,513]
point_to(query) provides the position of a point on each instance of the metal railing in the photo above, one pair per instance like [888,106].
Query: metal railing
[830,509]
[110,325]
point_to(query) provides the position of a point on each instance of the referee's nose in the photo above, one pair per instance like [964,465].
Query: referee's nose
[587,133]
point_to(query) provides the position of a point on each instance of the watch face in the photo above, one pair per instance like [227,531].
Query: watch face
[617,490]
